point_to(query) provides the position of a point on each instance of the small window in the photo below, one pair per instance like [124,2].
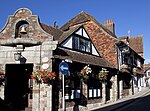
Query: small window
[82,44]
[138,63]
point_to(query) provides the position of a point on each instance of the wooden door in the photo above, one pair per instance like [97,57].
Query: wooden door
[16,85]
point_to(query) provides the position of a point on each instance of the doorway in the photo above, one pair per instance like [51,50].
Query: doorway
[17,85]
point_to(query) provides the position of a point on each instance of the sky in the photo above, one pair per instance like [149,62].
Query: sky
[128,15]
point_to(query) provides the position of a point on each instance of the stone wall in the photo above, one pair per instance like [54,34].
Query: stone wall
[42,94]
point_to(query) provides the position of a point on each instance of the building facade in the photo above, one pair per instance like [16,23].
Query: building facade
[29,49]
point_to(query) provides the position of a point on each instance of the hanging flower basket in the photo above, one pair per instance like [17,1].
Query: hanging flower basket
[43,76]
[1,73]
[103,75]
[124,68]
[84,74]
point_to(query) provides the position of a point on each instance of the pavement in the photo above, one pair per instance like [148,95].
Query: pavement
[120,103]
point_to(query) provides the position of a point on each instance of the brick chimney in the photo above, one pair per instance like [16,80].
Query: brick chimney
[109,24]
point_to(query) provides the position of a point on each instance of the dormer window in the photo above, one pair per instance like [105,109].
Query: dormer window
[81,44]
[80,41]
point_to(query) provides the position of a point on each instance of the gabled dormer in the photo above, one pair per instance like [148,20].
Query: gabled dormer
[78,40]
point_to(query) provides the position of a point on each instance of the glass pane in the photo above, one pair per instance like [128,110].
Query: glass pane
[88,46]
[95,92]
[76,42]
[77,94]
[99,92]
[90,93]
[72,94]
[82,45]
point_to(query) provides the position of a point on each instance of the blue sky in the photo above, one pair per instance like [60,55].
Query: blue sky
[133,15]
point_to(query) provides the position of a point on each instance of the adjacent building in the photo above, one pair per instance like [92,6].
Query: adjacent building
[147,74]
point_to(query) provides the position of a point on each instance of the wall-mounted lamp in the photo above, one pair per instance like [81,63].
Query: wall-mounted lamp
[17,56]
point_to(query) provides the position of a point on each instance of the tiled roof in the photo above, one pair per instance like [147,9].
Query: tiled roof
[75,56]
[136,43]
[56,33]
[123,44]
[146,66]
[62,53]
[78,19]
[123,37]
[68,33]
[67,29]
[83,18]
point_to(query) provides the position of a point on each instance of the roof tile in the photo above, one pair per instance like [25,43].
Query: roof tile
[136,43]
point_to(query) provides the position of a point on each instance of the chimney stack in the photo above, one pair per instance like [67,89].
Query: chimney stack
[109,24]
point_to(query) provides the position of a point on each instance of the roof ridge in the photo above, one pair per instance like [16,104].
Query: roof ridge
[74,20]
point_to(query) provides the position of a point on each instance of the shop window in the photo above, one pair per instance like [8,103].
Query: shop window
[75,88]
[94,88]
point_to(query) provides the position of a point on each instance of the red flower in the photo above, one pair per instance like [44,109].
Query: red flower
[43,75]
[33,77]
[83,70]
[1,73]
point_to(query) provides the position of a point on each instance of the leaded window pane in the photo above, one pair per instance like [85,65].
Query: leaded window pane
[76,42]
[82,45]
[88,46]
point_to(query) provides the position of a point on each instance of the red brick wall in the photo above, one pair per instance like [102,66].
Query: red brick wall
[104,42]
